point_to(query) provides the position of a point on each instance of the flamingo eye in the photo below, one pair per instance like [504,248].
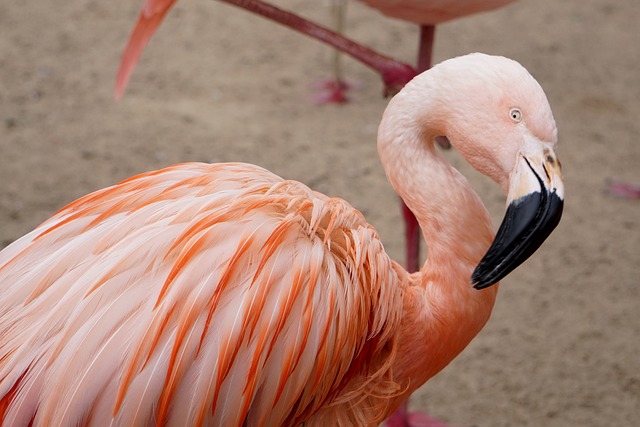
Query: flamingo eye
[515,114]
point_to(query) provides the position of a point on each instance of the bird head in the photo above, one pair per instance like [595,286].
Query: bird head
[498,117]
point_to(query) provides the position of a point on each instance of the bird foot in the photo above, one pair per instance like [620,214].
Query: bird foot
[623,189]
[413,419]
[332,91]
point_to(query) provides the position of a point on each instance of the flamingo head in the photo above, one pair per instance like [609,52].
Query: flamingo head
[498,117]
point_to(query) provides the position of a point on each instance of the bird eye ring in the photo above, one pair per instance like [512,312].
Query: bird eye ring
[515,114]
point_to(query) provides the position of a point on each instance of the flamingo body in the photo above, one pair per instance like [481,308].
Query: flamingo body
[121,301]
[432,12]
[224,295]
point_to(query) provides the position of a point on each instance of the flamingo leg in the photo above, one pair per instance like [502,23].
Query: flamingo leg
[425,47]
[395,74]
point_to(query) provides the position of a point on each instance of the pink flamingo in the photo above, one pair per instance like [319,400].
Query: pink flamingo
[224,295]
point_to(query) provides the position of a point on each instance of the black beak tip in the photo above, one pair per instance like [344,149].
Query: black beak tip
[526,226]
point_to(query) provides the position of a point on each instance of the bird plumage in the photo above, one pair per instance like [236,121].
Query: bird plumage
[224,295]
[122,301]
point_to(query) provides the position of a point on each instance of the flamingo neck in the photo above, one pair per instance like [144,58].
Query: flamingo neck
[441,309]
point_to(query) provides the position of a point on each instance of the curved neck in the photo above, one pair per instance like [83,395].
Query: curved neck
[441,309]
[451,215]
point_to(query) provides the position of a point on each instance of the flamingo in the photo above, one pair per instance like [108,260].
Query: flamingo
[222,294]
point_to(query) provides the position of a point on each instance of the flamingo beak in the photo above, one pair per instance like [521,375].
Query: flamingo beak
[535,200]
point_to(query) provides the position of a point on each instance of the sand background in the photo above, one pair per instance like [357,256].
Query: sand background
[218,84]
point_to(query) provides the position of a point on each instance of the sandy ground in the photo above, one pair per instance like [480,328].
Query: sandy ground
[218,84]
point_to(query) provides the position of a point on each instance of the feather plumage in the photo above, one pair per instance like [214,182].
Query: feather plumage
[138,287]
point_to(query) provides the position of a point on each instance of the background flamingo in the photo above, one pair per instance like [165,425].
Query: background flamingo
[222,294]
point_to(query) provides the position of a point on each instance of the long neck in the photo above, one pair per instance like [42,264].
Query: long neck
[442,312]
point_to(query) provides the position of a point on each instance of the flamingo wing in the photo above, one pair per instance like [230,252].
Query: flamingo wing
[195,295]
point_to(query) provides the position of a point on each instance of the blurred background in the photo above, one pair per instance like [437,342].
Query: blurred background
[219,84]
